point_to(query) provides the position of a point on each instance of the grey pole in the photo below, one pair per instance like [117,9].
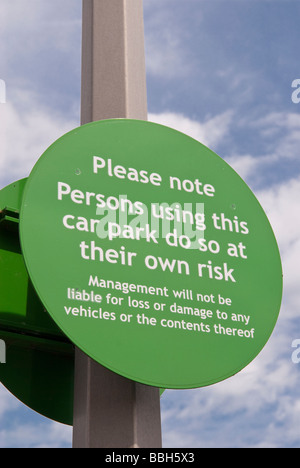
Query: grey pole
[111,411]
[113,60]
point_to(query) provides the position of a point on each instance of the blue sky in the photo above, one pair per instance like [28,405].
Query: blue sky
[220,71]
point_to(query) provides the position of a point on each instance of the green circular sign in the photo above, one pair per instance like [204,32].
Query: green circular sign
[151,254]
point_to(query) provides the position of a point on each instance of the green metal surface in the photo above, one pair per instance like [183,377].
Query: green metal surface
[39,367]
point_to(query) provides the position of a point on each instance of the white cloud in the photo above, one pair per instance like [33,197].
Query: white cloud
[7,402]
[210,133]
[277,146]
[167,54]
[281,130]
[282,205]
[26,131]
[30,19]
[30,435]
[32,26]
[262,396]
[17,433]
[248,166]
[40,49]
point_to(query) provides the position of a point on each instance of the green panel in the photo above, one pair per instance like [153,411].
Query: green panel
[20,307]
[40,373]
[39,358]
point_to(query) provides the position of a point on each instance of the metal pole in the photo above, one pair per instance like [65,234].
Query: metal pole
[113,60]
[111,411]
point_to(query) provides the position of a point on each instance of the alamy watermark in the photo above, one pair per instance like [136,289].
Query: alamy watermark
[2,92]
[296,353]
[180,225]
[119,217]
[2,352]
[296,94]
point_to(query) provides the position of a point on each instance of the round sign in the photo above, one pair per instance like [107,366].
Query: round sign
[151,254]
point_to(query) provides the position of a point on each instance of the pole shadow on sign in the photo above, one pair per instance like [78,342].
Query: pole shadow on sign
[39,366]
